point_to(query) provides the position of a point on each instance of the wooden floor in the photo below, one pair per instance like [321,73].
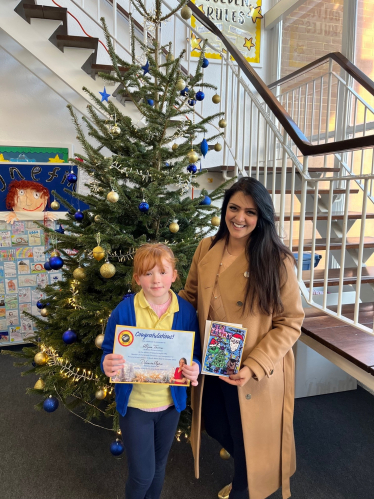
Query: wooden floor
[352,344]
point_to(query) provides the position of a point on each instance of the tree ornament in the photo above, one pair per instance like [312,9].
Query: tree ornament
[55,253]
[41,358]
[167,164]
[112,197]
[215,221]
[206,201]
[60,230]
[104,95]
[216,99]
[150,102]
[204,147]
[192,156]
[191,102]
[180,84]
[99,340]
[192,168]
[223,454]
[174,147]
[170,57]
[50,404]
[217,147]
[107,270]
[69,337]
[222,123]
[39,385]
[44,312]
[55,205]
[98,218]
[184,92]
[79,274]
[145,68]
[186,13]
[72,178]
[56,262]
[143,206]
[205,63]
[39,304]
[100,394]
[115,130]
[174,227]
[116,447]
[47,266]
[78,215]
[98,253]
[200,95]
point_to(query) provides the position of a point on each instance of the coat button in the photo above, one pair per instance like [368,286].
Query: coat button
[239,303]
[248,396]
[271,372]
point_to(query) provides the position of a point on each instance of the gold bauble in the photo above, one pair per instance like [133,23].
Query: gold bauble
[222,123]
[39,385]
[174,147]
[55,205]
[216,99]
[107,270]
[223,454]
[44,312]
[41,358]
[192,156]
[98,253]
[112,197]
[100,394]
[170,57]
[115,130]
[215,221]
[174,227]
[186,13]
[55,253]
[217,147]
[79,274]
[99,340]
[180,85]
[98,218]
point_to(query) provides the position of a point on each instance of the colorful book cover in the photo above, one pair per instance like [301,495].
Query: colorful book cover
[224,349]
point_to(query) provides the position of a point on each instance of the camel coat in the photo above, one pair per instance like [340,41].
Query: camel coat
[266,403]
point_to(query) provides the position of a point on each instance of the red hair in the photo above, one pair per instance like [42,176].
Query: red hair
[149,255]
[23,184]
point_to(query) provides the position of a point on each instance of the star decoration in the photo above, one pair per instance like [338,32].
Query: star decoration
[104,95]
[248,43]
[3,159]
[195,42]
[256,14]
[201,7]
[145,68]
[56,159]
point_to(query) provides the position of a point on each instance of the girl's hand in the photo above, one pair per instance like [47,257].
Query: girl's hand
[191,373]
[240,379]
[113,362]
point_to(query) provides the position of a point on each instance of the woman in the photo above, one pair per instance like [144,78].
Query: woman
[245,275]
[178,377]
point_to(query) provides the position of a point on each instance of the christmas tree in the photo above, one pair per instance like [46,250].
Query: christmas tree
[138,193]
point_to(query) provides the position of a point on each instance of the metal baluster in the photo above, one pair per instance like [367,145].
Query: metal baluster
[354,131]
[266,153]
[250,141]
[175,36]
[114,23]
[244,137]
[258,145]
[274,167]
[237,124]
[314,231]
[336,109]
[283,186]
[292,206]
[304,187]
[343,247]
[361,251]
[306,108]
[363,150]
[226,108]
[320,111]
[313,102]
[328,240]
[328,110]
[98,10]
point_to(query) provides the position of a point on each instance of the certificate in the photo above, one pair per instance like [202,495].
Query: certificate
[152,355]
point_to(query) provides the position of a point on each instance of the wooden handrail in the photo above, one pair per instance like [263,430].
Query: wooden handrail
[300,140]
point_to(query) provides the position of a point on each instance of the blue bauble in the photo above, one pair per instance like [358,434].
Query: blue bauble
[205,63]
[184,92]
[150,102]
[127,295]
[50,404]
[143,207]
[167,164]
[204,147]
[78,216]
[40,305]
[72,178]
[47,266]
[69,337]
[200,95]
[117,448]
[191,102]
[206,201]
[56,262]
[192,168]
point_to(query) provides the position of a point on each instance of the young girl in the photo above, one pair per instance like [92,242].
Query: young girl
[149,414]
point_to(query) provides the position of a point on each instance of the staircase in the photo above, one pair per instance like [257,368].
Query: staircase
[317,161]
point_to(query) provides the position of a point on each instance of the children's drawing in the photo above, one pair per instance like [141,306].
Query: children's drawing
[26,198]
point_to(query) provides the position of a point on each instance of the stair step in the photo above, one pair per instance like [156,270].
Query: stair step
[270,169]
[350,276]
[347,309]
[336,215]
[335,243]
[311,191]
[77,42]
[104,68]
[44,12]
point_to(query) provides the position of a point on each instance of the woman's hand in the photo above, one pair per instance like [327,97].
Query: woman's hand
[240,379]
[113,362]
[191,373]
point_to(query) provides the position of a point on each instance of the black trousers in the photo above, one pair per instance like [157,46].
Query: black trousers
[222,420]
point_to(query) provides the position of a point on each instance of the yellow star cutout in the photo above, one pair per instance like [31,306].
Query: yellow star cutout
[201,7]
[3,159]
[195,42]
[256,14]
[248,43]
[56,159]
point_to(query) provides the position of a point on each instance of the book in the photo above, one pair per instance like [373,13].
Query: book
[223,349]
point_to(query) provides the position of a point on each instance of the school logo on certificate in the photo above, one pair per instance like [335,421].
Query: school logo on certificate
[125,338]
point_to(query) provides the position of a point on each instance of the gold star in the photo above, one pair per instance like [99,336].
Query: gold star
[256,14]
[195,42]
[3,159]
[56,159]
[248,43]
[201,7]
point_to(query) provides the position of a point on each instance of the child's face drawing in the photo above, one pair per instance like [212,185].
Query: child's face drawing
[29,200]
[157,282]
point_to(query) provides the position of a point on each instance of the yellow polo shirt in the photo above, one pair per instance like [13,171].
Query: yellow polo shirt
[150,396]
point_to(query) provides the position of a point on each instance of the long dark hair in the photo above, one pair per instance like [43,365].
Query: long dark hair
[265,250]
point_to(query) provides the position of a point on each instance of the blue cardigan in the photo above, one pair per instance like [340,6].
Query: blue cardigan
[184,320]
